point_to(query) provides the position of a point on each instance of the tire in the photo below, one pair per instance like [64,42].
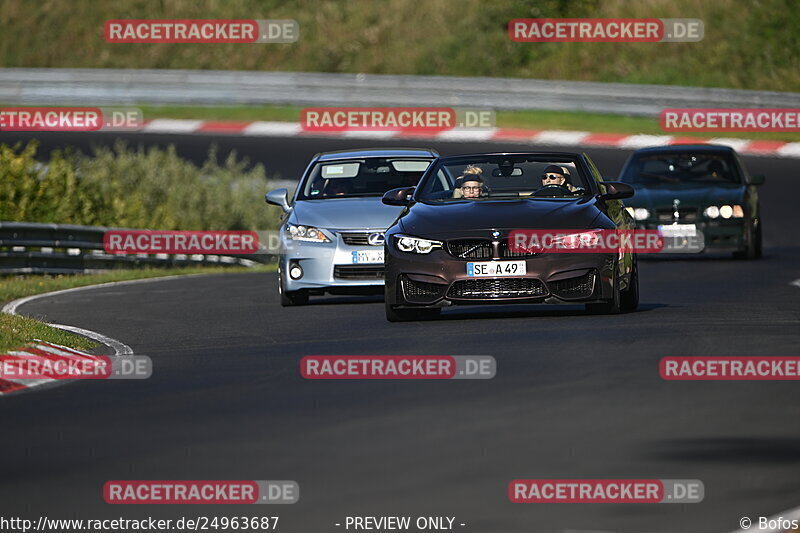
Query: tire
[753,245]
[629,300]
[393,314]
[608,308]
[758,244]
[291,298]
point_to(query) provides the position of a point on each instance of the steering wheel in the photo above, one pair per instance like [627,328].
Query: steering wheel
[553,190]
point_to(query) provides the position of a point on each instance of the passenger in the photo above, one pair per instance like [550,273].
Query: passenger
[471,183]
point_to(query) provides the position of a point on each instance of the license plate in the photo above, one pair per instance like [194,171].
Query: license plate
[368,256]
[486,269]
[678,230]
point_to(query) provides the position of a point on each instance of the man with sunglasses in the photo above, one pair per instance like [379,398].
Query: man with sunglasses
[554,175]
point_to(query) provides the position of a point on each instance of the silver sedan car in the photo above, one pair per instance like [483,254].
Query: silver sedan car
[332,228]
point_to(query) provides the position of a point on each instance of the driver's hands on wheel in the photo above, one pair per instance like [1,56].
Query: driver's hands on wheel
[553,190]
[554,183]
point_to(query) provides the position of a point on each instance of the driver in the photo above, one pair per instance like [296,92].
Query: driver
[553,175]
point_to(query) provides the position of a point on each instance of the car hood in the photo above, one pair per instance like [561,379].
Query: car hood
[660,197]
[344,213]
[463,217]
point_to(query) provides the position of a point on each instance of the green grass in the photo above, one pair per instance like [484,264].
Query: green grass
[16,331]
[751,44]
[535,120]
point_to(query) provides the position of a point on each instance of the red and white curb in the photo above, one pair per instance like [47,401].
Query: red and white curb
[44,353]
[499,135]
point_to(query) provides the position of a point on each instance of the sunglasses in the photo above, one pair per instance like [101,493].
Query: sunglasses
[552,177]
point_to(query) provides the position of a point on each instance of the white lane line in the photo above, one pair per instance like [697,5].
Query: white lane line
[165,125]
[369,134]
[119,347]
[736,144]
[796,283]
[560,137]
[272,129]
[483,134]
[788,515]
[643,141]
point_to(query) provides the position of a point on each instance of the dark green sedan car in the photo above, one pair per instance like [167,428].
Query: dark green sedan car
[701,192]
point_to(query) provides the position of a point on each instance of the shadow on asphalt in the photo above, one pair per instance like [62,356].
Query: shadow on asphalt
[739,450]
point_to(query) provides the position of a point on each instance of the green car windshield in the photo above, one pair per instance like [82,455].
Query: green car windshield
[682,170]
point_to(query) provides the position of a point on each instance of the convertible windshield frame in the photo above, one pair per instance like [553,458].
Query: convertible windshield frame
[442,174]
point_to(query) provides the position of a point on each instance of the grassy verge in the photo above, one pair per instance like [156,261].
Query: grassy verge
[15,331]
[749,45]
[535,120]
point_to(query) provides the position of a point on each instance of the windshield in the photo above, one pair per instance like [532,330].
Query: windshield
[503,177]
[682,170]
[361,177]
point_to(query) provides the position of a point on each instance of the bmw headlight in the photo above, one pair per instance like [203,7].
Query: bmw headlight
[305,233]
[724,211]
[638,213]
[415,245]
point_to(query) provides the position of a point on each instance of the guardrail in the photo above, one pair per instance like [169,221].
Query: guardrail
[94,87]
[37,248]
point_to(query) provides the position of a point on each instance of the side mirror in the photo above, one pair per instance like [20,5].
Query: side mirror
[401,196]
[758,179]
[279,197]
[617,190]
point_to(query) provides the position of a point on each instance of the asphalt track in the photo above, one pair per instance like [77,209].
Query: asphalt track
[575,396]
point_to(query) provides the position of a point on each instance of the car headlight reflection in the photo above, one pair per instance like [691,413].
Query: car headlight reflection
[415,245]
[305,233]
[724,211]
[638,213]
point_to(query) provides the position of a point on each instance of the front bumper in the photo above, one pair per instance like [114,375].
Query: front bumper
[329,265]
[439,279]
[718,235]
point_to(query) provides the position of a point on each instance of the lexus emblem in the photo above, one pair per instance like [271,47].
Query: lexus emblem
[376,239]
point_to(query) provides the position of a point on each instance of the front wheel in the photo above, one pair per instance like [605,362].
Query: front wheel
[612,307]
[629,300]
[291,298]
[753,246]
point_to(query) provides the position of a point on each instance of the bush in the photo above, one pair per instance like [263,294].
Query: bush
[149,188]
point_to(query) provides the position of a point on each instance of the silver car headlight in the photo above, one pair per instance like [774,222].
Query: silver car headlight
[415,245]
[638,213]
[305,233]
